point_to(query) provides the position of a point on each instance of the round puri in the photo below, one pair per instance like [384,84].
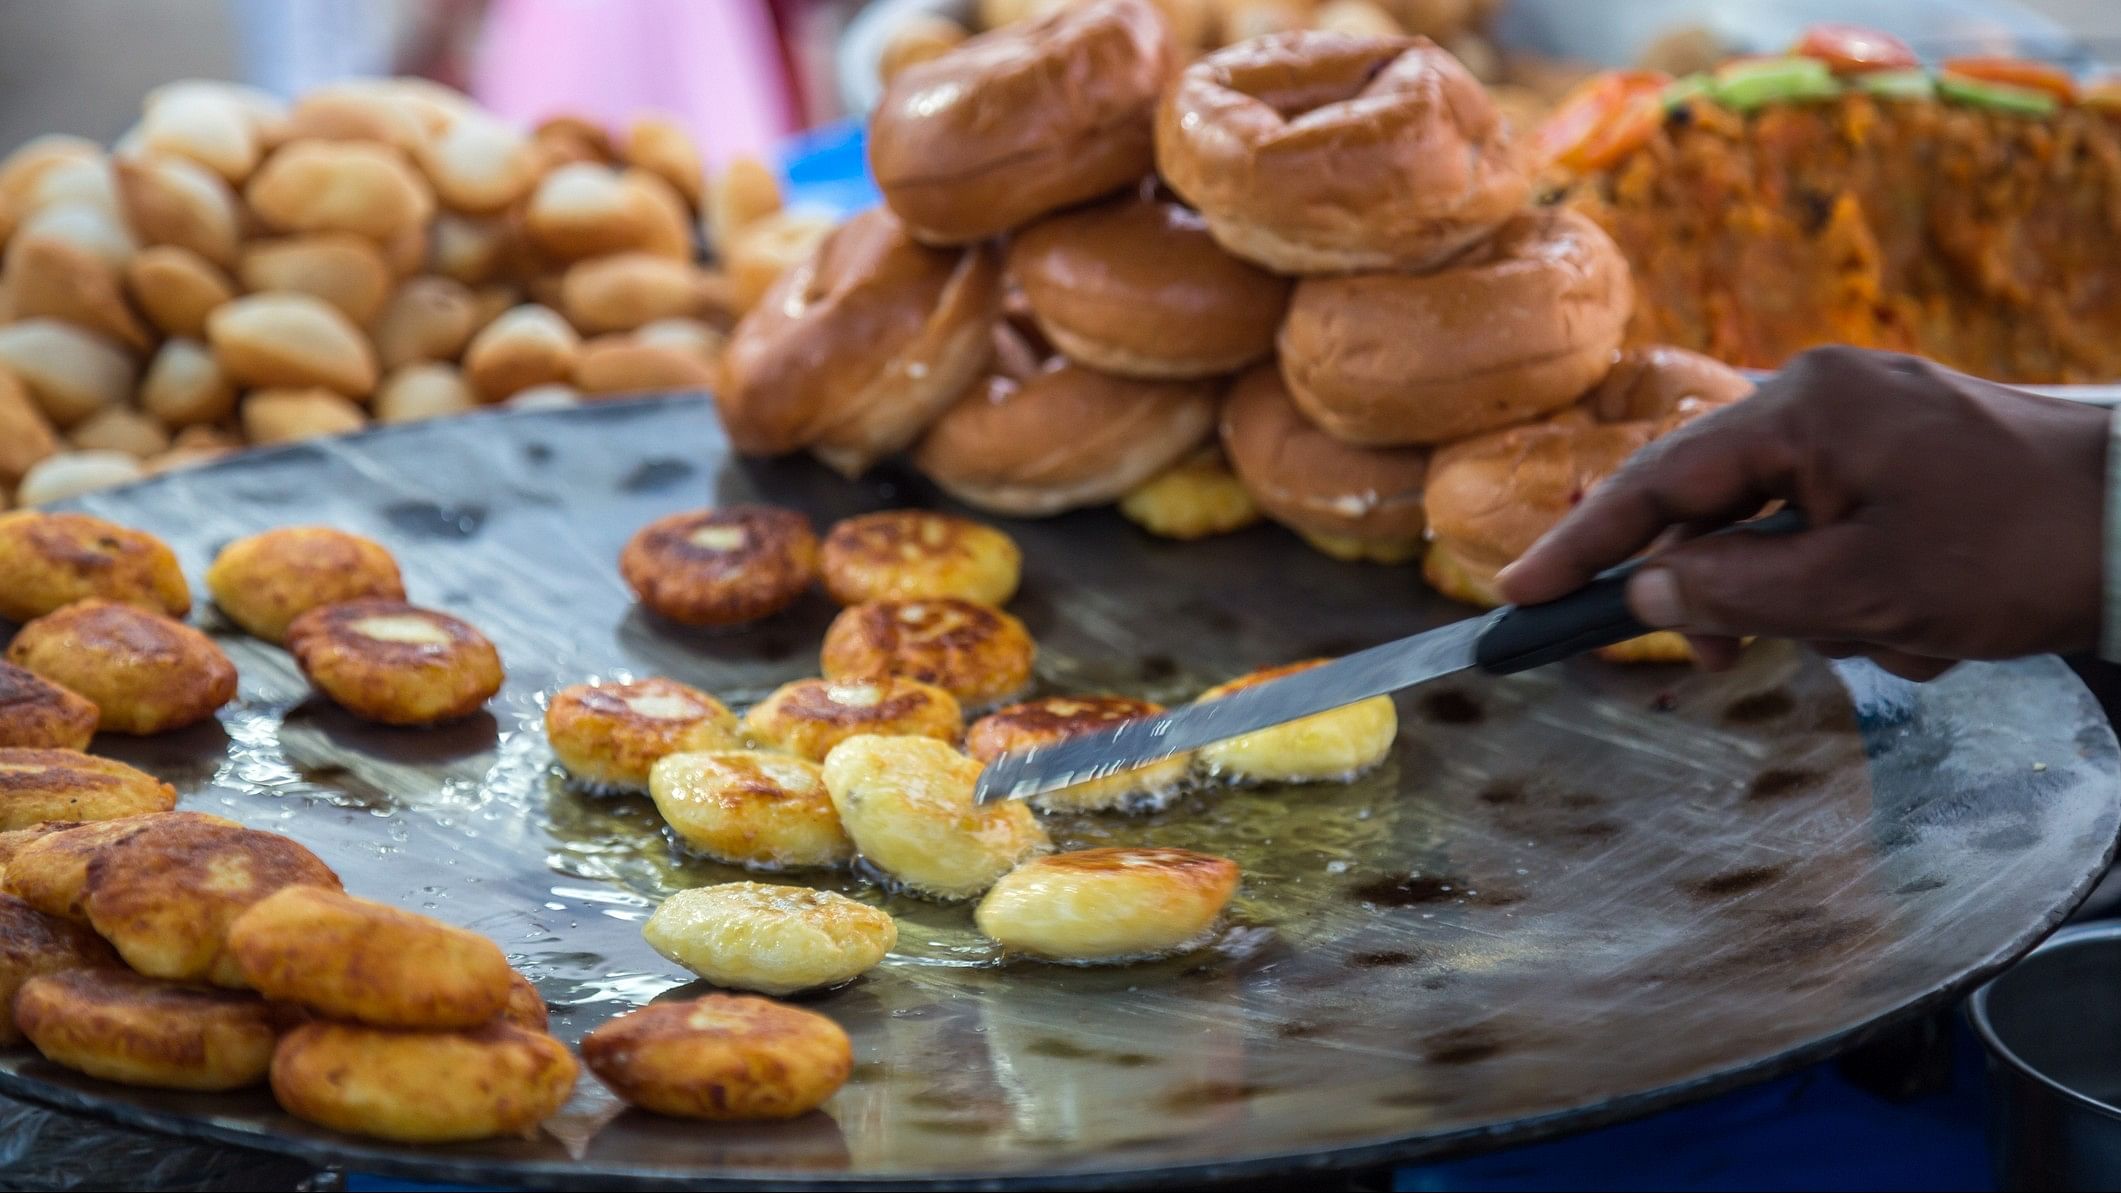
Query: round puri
[723,1057]
[760,811]
[724,566]
[48,561]
[1052,719]
[396,664]
[1108,905]
[609,736]
[145,673]
[919,554]
[977,653]
[810,716]
[350,958]
[267,580]
[771,939]
[422,1086]
[120,1026]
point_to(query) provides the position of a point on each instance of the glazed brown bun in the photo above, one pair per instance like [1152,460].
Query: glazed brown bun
[1024,120]
[1491,497]
[1314,152]
[855,351]
[1521,326]
[1136,286]
[1062,438]
[1351,502]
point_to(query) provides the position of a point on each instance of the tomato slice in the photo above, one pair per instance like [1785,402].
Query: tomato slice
[2017,72]
[1603,119]
[1853,49]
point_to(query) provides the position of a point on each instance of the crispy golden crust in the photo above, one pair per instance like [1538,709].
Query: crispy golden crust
[36,713]
[1193,499]
[766,811]
[721,566]
[1328,747]
[907,804]
[912,555]
[144,672]
[977,653]
[165,897]
[123,1027]
[48,868]
[723,1057]
[609,736]
[41,785]
[525,1007]
[33,943]
[773,939]
[349,958]
[1108,905]
[422,1086]
[810,716]
[51,560]
[267,580]
[1056,718]
[393,663]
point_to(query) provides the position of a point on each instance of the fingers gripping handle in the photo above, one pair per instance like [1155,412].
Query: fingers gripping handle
[1521,637]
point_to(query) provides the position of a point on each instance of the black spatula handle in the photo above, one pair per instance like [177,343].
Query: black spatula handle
[1522,637]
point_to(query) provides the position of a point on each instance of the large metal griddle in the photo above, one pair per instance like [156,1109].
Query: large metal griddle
[1570,897]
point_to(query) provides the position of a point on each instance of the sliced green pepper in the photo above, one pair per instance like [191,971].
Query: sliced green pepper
[2000,97]
[1898,84]
[1748,85]
[1679,91]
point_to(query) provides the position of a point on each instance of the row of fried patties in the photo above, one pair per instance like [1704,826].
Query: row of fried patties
[1315,248]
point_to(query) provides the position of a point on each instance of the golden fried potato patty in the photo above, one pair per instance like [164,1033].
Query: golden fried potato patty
[1108,905]
[763,811]
[810,716]
[1329,747]
[33,943]
[41,785]
[36,713]
[120,1026]
[907,804]
[49,871]
[977,653]
[1052,719]
[49,561]
[525,1007]
[722,566]
[608,736]
[354,959]
[394,663]
[422,1086]
[144,672]
[724,1057]
[265,581]
[772,939]
[914,555]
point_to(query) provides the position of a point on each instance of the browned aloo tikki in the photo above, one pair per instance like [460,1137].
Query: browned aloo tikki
[856,350]
[40,785]
[36,713]
[265,581]
[1021,121]
[120,1026]
[721,566]
[348,958]
[1137,286]
[394,663]
[1314,152]
[50,871]
[810,716]
[165,897]
[914,554]
[977,653]
[609,736]
[1520,326]
[422,1086]
[48,561]
[144,672]
[724,1057]
[33,943]
[1052,719]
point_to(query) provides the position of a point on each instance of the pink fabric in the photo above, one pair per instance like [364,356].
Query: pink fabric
[714,64]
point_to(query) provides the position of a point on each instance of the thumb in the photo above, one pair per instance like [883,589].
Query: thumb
[1781,586]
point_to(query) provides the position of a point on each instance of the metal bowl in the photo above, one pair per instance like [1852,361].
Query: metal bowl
[2052,1026]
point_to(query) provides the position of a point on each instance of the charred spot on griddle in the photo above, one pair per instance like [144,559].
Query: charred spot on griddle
[537,453]
[1501,793]
[1920,886]
[1212,1093]
[1758,707]
[1779,783]
[1582,800]
[1157,668]
[1298,1029]
[653,476]
[935,1098]
[1461,1046]
[1129,1060]
[1732,882]
[430,520]
[865,1072]
[1383,959]
[1664,702]
[1436,983]
[1059,1049]
[1419,890]
[1413,1098]
[1452,707]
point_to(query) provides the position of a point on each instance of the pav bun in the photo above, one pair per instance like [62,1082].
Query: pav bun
[1353,503]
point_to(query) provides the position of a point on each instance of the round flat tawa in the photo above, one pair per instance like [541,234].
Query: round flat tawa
[1568,897]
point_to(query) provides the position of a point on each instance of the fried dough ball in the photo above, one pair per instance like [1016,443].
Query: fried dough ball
[724,1057]
[721,566]
[1194,499]
[144,672]
[608,736]
[349,958]
[907,804]
[763,811]
[36,713]
[1053,719]
[49,561]
[1329,747]
[810,716]
[50,871]
[422,1086]
[525,1007]
[394,663]
[1106,906]
[977,653]
[40,785]
[913,555]
[165,898]
[267,580]
[120,1026]
[33,943]
[772,939]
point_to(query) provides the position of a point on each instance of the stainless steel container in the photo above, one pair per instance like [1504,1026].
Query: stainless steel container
[2052,1027]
